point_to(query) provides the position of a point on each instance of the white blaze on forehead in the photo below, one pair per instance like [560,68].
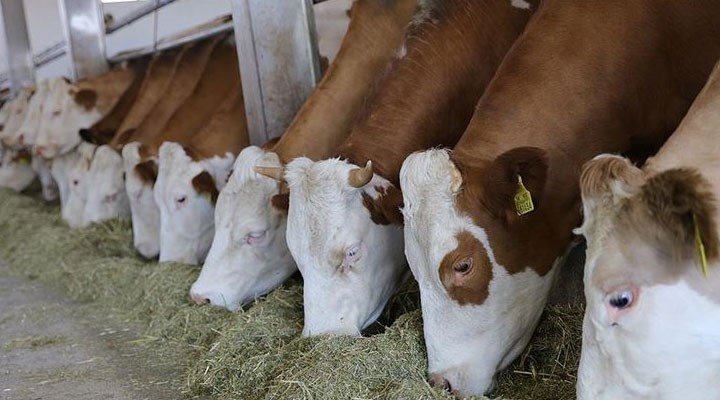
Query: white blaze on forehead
[522,4]
[71,172]
[467,344]
[249,255]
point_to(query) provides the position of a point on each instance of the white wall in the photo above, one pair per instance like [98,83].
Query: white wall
[43,18]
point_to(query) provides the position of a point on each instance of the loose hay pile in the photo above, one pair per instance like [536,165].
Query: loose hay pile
[257,354]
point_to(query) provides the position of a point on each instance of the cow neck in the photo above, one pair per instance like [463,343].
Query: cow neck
[589,103]
[428,95]
[226,132]
[374,34]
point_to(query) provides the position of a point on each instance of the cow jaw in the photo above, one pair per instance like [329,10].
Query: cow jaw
[249,255]
[187,216]
[14,174]
[466,343]
[108,198]
[350,265]
[143,208]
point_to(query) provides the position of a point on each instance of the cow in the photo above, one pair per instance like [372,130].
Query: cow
[237,271]
[653,296]
[190,178]
[344,226]
[68,170]
[71,107]
[189,86]
[487,224]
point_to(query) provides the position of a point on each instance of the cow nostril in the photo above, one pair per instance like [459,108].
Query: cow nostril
[199,299]
[440,382]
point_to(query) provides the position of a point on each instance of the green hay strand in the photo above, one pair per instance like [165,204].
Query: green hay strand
[257,353]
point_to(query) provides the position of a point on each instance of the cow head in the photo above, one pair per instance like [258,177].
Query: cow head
[24,135]
[249,255]
[16,172]
[15,111]
[650,326]
[140,177]
[186,192]
[70,172]
[107,199]
[483,283]
[350,264]
[72,107]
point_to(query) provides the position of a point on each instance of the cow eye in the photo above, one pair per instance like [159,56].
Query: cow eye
[464,266]
[75,182]
[622,299]
[181,199]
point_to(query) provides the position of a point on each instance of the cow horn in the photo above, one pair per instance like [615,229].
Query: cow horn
[360,177]
[271,172]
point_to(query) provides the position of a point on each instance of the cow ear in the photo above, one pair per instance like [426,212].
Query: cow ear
[681,202]
[281,202]
[86,98]
[147,171]
[385,208]
[501,182]
[205,186]
[605,182]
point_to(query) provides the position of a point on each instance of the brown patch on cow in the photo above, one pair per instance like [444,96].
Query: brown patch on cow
[471,286]
[385,209]
[281,202]
[205,185]
[122,138]
[147,171]
[87,98]
[663,213]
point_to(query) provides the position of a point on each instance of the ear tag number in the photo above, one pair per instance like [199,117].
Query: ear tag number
[523,199]
[700,247]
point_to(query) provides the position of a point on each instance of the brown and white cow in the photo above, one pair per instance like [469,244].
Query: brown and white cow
[585,78]
[194,94]
[344,225]
[651,322]
[238,271]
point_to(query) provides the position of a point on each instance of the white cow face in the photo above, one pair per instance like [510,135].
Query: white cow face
[25,135]
[70,171]
[477,317]
[16,173]
[107,198]
[249,255]
[140,179]
[186,192]
[66,111]
[15,111]
[350,265]
[651,322]
[41,167]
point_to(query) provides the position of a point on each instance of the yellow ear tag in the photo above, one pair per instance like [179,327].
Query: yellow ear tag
[523,199]
[700,247]
[23,161]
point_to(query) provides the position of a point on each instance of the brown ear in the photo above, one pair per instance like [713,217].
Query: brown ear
[670,199]
[281,202]
[86,98]
[385,209]
[501,181]
[204,184]
[147,171]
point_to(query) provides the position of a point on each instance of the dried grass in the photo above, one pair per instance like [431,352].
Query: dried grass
[257,353]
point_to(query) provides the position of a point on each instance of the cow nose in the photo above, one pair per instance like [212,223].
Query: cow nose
[147,250]
[438,381]
[199,299]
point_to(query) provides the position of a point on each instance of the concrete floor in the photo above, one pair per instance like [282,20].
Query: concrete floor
[54,348]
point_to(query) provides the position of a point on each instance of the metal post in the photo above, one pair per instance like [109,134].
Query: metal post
[279,61]
[21,69]
[85,33]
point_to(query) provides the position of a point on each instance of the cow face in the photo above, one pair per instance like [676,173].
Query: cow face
[15,111]
[478,312]
[16,172]
[140,179]
[25,135]
[249,255]
[107,199]
[186,192]
[70,171]
[650,327]
[41,167]
[350,264]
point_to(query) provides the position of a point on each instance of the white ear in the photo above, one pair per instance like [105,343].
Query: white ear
[219,168]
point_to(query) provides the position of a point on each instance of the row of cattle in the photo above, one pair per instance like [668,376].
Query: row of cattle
[463,138]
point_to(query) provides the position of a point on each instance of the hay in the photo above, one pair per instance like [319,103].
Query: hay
[32,342]
[257,353]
